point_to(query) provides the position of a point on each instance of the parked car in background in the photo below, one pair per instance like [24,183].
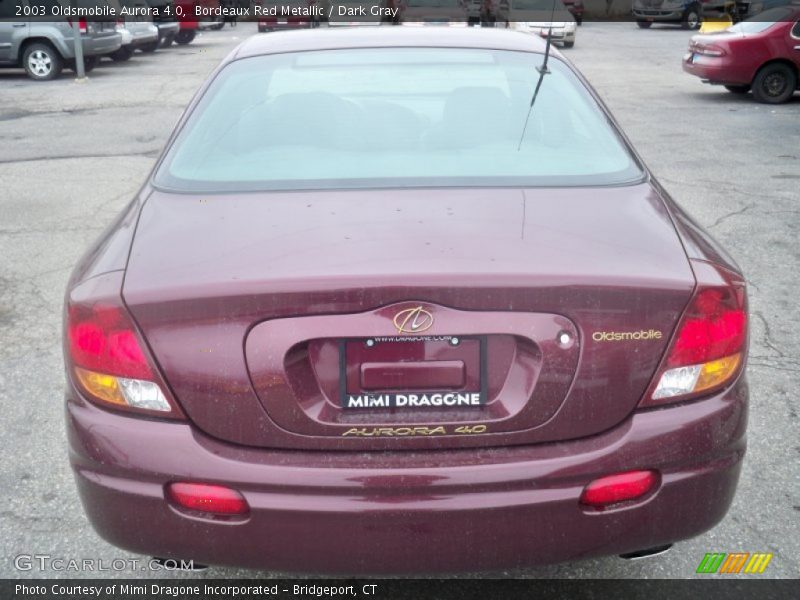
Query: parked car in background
[483,12]
[191,22]
[576,8]
[750,8]
[541,18]
[434,12]
[137,30]
[761,54]
[688,13]
[166,20]
[43,47]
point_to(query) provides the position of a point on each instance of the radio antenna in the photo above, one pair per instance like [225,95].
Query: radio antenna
[543,70]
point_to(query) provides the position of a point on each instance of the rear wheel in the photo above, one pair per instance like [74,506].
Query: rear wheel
[774,83]
[738,89]
[121,55]
[644,24]
[42,62]
[569,44]
[692,18]
[185,36]
[151,47]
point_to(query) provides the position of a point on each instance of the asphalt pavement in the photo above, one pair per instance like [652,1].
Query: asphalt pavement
[73,154]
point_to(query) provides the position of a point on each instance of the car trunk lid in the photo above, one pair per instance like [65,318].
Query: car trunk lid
[408,318]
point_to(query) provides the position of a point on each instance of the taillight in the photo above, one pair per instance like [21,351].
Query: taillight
[108,359]
[708,50]
[206,498]
[82,26]
[710,344]
[618,488]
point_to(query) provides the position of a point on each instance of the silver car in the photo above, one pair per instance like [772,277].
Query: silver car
[43,47]
[138,31]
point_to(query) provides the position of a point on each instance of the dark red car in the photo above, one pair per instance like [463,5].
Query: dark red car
[762,54]
[342,328]
[576,8]
[196,15]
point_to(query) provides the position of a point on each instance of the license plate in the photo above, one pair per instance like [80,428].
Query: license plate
[413,372]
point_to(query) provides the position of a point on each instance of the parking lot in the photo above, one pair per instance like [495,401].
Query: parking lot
[73,154]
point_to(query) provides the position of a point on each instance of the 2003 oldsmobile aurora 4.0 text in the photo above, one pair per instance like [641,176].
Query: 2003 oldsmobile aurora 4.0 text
[383,308]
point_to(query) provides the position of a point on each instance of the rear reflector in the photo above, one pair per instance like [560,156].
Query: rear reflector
[212,499]
[621,487]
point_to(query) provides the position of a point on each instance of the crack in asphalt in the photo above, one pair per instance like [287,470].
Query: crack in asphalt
[728,215]
[767,338]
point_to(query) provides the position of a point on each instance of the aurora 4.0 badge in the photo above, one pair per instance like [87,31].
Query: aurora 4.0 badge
[403,372]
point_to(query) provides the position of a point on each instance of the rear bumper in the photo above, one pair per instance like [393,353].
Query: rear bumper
[101,44]
[408,512]
[716,70]
[145,36]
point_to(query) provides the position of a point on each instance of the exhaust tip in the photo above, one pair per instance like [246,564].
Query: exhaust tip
[179,564]
[646,553]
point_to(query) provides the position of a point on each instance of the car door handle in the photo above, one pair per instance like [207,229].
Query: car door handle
[19,24]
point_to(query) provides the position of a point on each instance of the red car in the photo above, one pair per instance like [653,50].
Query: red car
[576,8]
[339,331]
[762,54]
[196,15]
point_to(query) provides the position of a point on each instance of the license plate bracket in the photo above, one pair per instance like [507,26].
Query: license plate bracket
[403,373]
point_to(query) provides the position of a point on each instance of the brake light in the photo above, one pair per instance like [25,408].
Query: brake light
[82,27]
[709,347]
[212,499]
[621,487]
[709,50]
[109,361]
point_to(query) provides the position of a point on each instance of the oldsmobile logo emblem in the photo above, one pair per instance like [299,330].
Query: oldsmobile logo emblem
[413,320]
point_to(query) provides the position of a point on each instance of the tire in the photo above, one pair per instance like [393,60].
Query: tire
[774,83]
[89,63]
[121,55]
[644,24]
[185,36]
[692,18]
[738,89]
[42,62]
[569,44]
[148,48]
[579,21]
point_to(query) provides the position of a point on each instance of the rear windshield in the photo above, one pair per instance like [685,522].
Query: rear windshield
[762,21]
[395,117]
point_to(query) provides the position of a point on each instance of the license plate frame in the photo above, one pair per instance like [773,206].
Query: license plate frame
[474,397]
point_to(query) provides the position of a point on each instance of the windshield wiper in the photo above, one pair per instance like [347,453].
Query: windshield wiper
[543,70]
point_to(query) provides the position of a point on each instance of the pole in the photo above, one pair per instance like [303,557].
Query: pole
[78,44]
